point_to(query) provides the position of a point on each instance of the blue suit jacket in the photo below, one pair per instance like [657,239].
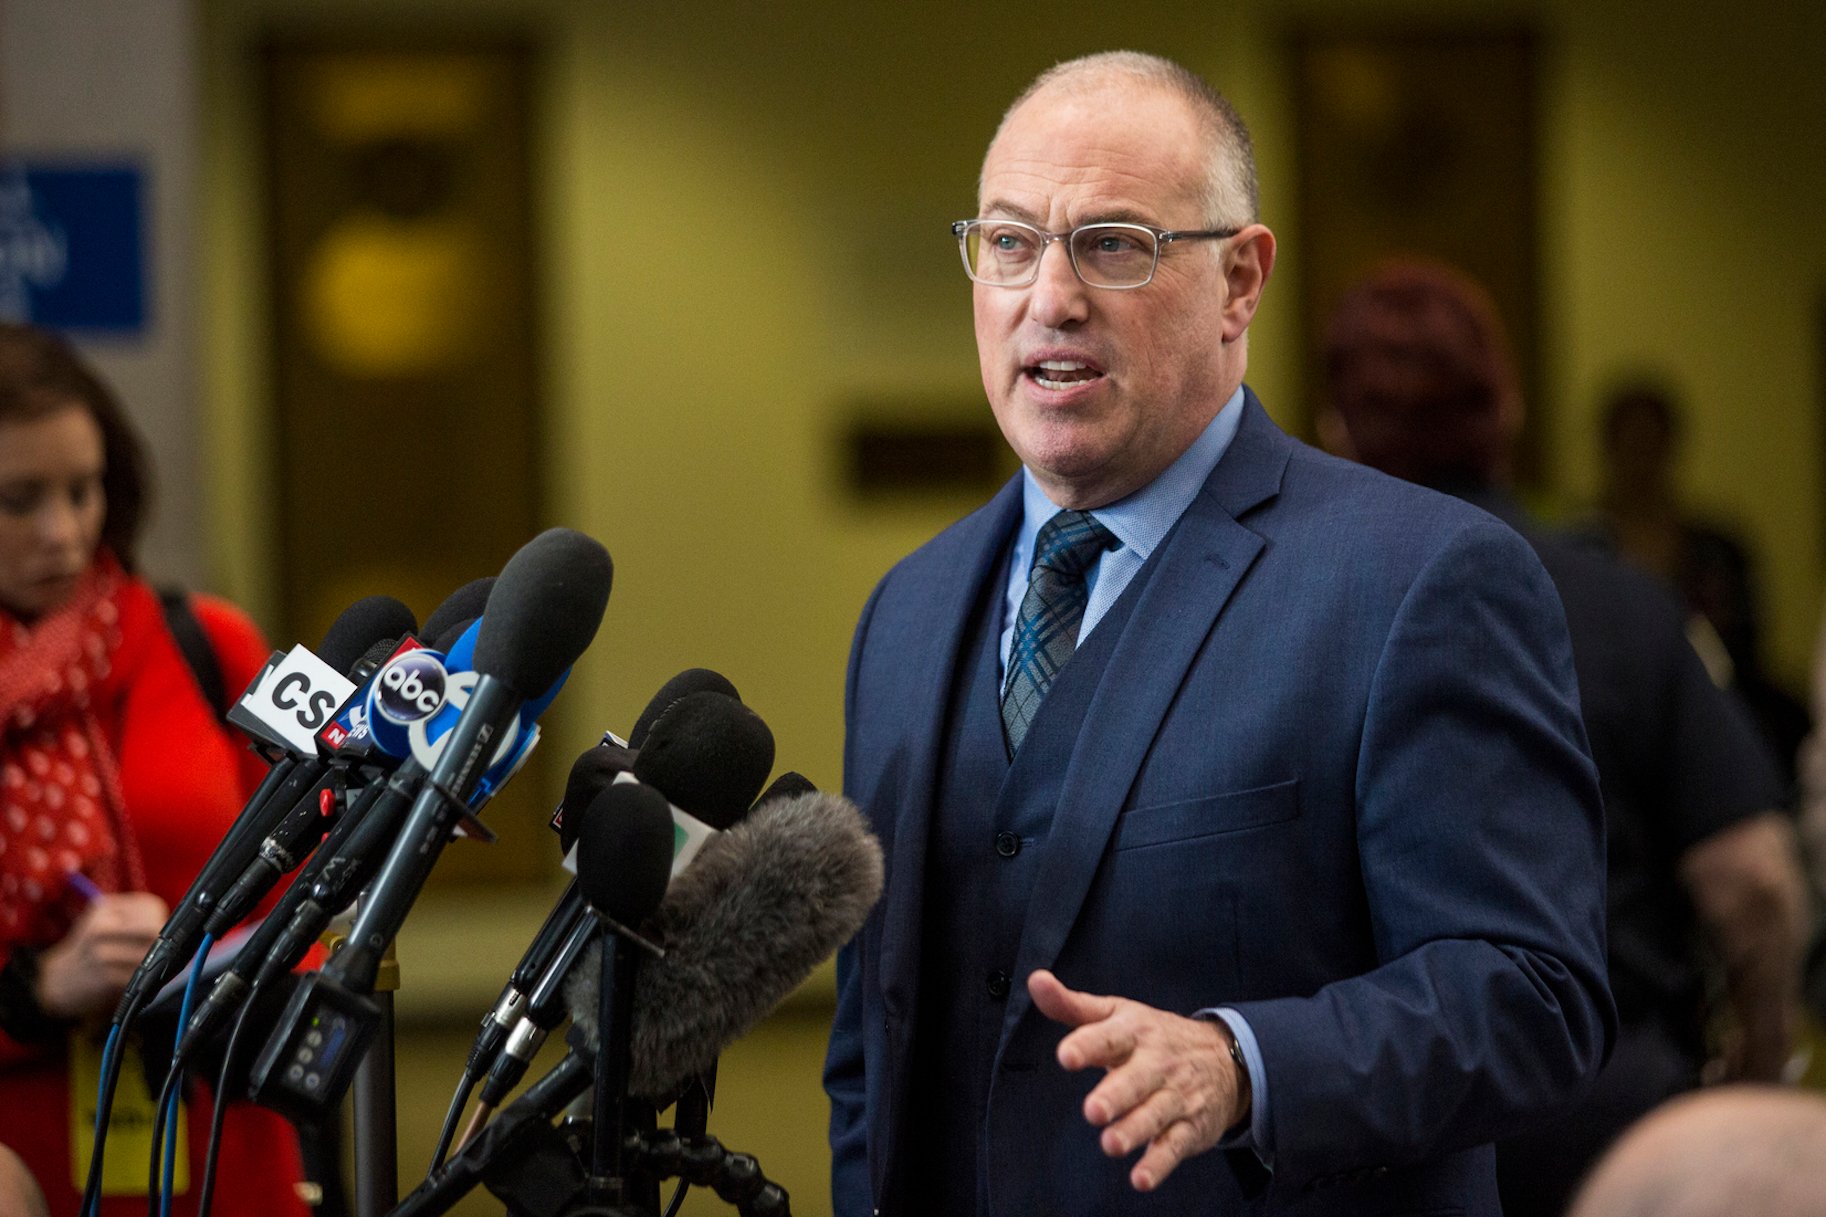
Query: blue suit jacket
[1334,776]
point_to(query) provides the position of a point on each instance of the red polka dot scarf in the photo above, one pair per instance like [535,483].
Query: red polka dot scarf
[60,797]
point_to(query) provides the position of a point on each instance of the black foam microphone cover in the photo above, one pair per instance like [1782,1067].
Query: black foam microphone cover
[362,625]
[591,774]
[760,906]
[691,680]
[373,657]
[463,605]
[452,632]
[544,610]
[624,852]
[710,755]
[789,785]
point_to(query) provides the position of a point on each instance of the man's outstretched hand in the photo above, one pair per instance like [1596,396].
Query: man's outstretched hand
[1171,1085]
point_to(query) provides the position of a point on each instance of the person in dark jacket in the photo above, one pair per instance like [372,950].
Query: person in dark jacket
[1419,383]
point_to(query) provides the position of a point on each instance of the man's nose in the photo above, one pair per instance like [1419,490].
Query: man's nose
[1059,298]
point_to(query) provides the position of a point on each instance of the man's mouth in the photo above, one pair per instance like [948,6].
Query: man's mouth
[1058,374]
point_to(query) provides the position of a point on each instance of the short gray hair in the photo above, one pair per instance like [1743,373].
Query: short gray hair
[1232,196]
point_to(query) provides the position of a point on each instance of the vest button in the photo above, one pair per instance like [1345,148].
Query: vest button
[1007,844]
[998,985]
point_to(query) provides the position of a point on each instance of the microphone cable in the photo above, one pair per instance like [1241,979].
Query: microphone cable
[206,1193]
[112,1057]
[163,1169]
[465,1087]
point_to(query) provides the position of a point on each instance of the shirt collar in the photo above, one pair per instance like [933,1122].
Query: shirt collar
[1143,519]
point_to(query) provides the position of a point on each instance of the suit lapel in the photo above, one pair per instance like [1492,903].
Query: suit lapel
[1196,569]
[931,662]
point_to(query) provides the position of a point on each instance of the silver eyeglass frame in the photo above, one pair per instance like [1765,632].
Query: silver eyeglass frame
[1162,237]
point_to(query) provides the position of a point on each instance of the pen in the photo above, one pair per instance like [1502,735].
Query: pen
[84,886]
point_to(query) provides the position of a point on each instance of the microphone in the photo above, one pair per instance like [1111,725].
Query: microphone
[624,866]
[297,692]
[356,847]
[624,861]
[551,951]
[691,680]
[542,613]
[763,904]
[682,738]
[788,785]
[593,769]
[313,817]
[460,607]
[295,836]
[362,624]
[708,754]
[624,854]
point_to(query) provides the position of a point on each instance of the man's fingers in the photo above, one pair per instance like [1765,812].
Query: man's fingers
[1134,1113]
[1173,1146]
[1064,1005]
[1107,1043]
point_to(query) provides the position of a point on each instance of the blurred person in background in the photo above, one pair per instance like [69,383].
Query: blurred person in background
[1419,383]
[1711,569]
[1729,1151]
[117,779]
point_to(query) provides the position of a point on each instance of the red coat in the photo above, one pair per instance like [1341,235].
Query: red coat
[183,778]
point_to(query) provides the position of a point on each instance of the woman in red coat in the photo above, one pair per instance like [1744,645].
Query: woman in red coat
[116,782]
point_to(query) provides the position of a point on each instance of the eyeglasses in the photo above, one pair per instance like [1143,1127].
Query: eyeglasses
[1006,253]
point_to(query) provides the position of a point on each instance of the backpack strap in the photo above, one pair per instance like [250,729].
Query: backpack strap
[194,645]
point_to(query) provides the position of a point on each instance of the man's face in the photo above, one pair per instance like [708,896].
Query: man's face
[1097,390]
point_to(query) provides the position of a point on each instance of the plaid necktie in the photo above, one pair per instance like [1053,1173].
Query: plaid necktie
[1046,629]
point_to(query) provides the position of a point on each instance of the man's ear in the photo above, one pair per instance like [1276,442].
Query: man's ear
[1248,261]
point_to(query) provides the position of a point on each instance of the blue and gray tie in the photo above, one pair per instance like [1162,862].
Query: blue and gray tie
[1046,629]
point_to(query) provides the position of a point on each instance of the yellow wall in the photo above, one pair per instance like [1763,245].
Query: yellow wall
[746,210]
[745,229]
[1687,159]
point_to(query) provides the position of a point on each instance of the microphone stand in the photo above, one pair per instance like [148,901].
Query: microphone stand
[376,1122]
[614,1063]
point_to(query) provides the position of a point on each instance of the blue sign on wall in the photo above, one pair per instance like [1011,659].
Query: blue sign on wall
[72,246]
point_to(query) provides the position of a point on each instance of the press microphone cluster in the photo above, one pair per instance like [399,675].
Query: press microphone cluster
[541,614]
[369,778]
[699,902]
[762,903]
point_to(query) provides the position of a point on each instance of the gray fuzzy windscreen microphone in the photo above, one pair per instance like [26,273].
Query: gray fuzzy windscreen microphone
[762,904]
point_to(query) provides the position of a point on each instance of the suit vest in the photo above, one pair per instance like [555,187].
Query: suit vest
[981,860]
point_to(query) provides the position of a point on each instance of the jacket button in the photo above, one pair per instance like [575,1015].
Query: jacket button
[1007,844]
[998,985]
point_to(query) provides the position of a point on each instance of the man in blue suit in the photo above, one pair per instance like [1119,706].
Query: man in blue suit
[1244,852]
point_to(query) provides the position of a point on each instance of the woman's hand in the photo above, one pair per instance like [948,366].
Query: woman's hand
[88,971]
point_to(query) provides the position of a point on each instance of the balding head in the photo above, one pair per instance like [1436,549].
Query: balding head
[1232,197]
[1719,1153]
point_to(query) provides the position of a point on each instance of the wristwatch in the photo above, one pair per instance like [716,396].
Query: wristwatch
[1245,1093]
